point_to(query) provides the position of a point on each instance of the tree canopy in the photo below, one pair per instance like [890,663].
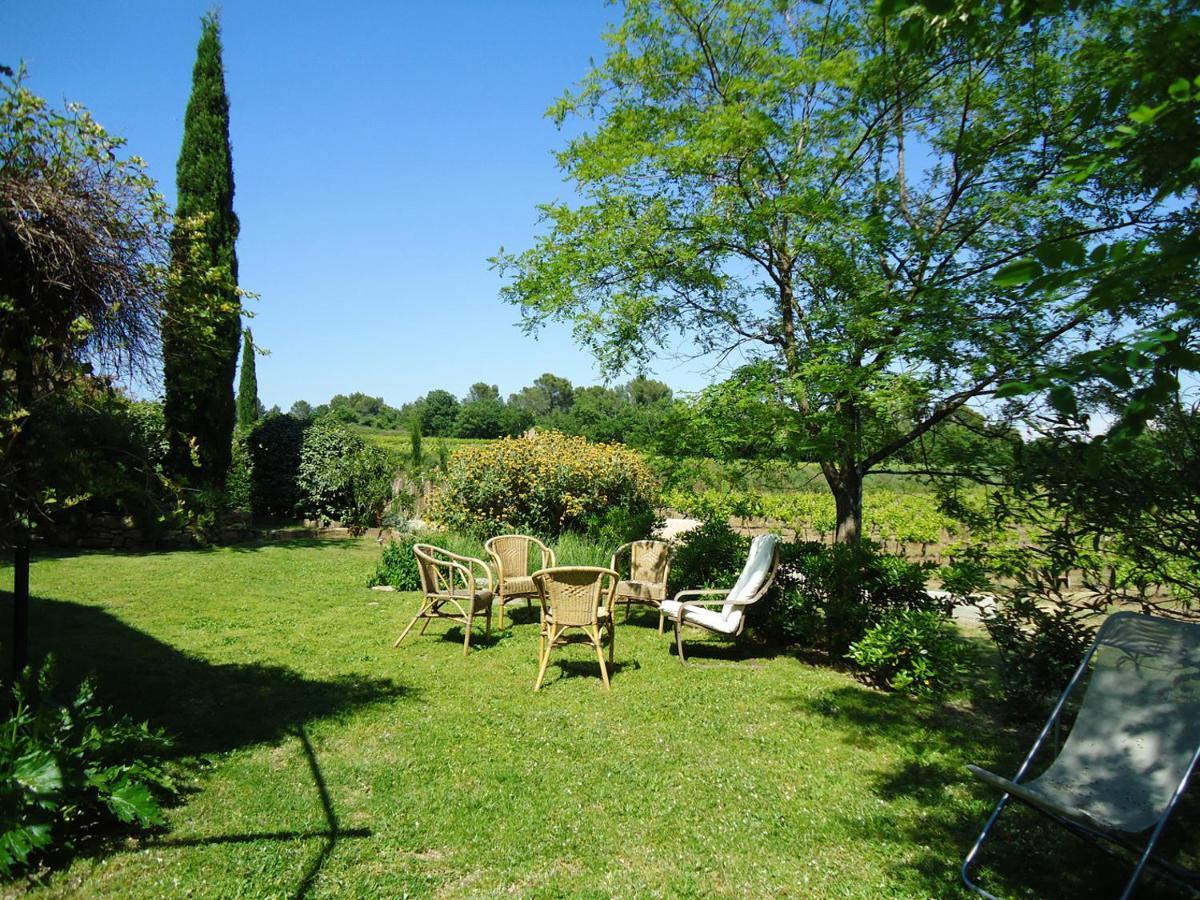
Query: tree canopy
[797,185]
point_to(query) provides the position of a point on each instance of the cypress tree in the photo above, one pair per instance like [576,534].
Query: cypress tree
[247,395]
[202,327]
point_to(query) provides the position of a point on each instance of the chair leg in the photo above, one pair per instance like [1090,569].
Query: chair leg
[612,639]
[425,625]
[537,686]
[679,640]
[467,634]
[660,620]
[600,656]
[500,626]
[487,626]
[405,632]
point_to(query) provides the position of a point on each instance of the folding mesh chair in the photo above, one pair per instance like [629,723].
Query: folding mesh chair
[1131,750]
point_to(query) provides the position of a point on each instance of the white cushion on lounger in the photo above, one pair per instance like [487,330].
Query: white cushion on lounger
[712,619]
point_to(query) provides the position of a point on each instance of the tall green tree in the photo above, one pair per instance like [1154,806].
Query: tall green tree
[202,328]
[82,242]
[249,409]
[791,183]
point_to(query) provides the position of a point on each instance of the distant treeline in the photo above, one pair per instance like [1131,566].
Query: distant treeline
[629,413]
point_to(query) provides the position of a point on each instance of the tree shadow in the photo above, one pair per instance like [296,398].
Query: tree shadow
[206,707]
[49,551]
[1026,855]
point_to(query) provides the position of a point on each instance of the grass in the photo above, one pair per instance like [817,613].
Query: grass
[323,762]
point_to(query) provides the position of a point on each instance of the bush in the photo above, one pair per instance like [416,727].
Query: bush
[66,768]
[914,651]
[342,478]
[1041,637]
[545,484]
[828,597]
[397,565]
[709,556]
[273,446]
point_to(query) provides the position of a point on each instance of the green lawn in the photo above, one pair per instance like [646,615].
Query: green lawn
[320,761]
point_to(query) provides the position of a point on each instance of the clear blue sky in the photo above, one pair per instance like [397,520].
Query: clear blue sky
[382,152]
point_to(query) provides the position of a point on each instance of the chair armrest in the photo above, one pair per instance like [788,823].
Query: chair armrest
[469,569]
[724,592]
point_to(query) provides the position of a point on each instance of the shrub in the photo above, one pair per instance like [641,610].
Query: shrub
[66,768]
[238,483]
[273,446]
[1041,637]
[829,596]
[397,565]
[341,477]
[709,556]
[544,484]
[915,651]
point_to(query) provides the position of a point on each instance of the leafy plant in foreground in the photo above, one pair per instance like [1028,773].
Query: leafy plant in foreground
[67,767]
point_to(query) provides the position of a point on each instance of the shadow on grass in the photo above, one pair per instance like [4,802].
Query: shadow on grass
[45,551]
[206,707]
[330,835]
[1025,856]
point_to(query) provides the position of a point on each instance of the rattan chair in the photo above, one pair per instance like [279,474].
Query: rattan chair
[756,578]
[510,558]
[577,597]
[451,588]
[649,565]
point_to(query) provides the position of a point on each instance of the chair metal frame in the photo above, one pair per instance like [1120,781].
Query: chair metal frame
[558,614]
[502,561]
[451,580]
[1103,839]
[679,622]
[631,549]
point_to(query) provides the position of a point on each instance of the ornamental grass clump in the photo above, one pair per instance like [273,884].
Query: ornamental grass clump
[546,484]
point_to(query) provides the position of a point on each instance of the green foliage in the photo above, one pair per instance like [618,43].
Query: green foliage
[239,483]
[913,651]
[202,328]
[397,565]
[710,556]
[414,439]
[887,514]
[249,410]
[359,409]
[438,411]
[82,236]
[490,417]
[829,596]
[1041,637]
[746,177]
[274,450]
[66,768]
[545,485]
[341,477]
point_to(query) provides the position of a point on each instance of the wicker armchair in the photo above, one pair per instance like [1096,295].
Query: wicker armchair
[575,597]
[756,578]
[451,588]
[510,557]
[649,566]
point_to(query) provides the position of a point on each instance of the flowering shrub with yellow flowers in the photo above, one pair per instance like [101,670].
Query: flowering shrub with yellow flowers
[544,484]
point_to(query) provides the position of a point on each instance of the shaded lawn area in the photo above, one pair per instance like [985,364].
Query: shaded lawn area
[320,761]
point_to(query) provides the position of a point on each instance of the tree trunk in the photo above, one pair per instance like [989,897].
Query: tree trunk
[20,633]
[847,495]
